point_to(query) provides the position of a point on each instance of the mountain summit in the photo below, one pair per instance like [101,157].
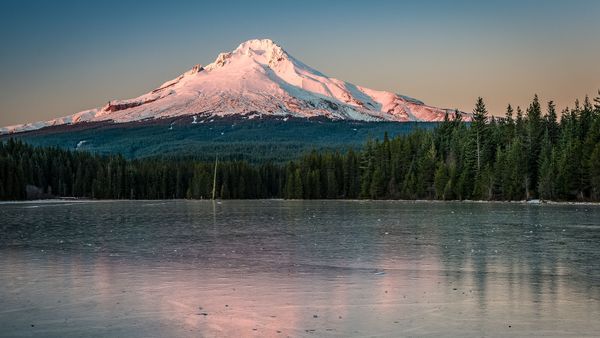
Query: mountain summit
[257,78]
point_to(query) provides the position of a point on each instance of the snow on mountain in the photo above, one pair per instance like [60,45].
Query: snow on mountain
[258,77]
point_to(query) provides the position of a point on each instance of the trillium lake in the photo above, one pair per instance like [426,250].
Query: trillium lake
[298,268]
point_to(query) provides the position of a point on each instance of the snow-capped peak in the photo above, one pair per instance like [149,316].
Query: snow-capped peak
[263,51]
[259,46]
[258,77]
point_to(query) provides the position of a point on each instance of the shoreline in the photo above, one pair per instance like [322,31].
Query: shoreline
[524,202]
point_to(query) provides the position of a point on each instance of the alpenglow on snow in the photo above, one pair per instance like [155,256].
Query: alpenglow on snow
[258,77]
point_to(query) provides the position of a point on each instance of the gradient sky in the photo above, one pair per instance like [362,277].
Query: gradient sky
[61,57]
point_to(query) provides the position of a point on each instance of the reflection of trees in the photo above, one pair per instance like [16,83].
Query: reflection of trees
[521,246]
[512,246]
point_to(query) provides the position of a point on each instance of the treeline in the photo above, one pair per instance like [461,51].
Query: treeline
[523,155]
[32,172]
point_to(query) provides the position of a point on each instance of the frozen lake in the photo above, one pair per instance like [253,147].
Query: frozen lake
[298,268]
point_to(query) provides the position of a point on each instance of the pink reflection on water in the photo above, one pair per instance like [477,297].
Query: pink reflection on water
[76,294]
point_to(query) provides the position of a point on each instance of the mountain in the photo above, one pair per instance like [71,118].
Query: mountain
[257,78]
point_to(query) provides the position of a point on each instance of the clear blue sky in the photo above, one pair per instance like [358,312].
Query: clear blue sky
[61,57]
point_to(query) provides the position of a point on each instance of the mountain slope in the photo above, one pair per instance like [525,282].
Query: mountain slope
[263,139]
[257,78]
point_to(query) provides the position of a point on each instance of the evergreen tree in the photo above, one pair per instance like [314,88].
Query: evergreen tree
[298,192]
[441,180]
[547,173]
[532,145]
[551,122]
[480,116]
[595,173]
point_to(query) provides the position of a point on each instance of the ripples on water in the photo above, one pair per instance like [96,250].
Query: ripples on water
[298,268]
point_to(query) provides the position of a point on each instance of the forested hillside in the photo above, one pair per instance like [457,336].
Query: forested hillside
[258,140]
[524,155]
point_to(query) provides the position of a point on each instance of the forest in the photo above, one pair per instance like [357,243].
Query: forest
[276,139]
[530,154]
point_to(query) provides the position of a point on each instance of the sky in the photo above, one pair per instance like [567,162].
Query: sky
[61,57]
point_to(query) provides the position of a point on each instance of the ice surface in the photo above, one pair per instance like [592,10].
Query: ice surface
[298,268]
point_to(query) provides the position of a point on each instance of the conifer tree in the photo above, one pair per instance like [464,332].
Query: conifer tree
[547,173]
[441,179]
[595,173]
[533,142]
[551,122]
[480,116]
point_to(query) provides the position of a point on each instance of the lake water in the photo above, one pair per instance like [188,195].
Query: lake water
[298,268]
